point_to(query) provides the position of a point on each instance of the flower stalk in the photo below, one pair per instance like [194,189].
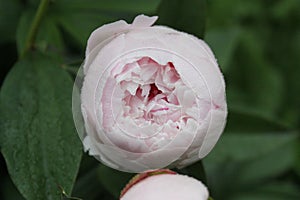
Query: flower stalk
[35,26]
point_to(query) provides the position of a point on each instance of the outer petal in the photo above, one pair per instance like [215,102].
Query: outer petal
[106,33]
[144,21]
[194,62]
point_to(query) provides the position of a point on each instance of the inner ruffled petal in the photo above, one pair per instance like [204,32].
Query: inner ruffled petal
[155,96]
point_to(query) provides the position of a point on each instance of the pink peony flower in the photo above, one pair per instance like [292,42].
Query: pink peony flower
[151,97]
[163,185]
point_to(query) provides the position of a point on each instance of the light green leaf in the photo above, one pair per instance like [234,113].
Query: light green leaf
[187,16]
[38,139]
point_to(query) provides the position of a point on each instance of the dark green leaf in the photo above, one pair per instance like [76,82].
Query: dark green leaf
[23,29]
[223,43]
[112,180]
[248,120]
[9,190]
[79,18]
[272,164]
[240,147]
[282,9]
[8,58]
[252,82]
[9,17]
[273,191]
[187,16]
[120,6]
[48,36]
[297,163]
[87,185]
[247,161]
[195,170]
[88,22]
[38,138]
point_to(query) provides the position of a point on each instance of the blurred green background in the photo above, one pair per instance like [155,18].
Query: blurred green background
[256,43]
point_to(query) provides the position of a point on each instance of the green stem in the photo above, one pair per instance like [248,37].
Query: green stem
[35,25]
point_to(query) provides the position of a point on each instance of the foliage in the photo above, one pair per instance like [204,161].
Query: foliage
[257,44]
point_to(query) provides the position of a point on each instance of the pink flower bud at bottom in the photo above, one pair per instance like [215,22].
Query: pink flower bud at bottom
[164,185]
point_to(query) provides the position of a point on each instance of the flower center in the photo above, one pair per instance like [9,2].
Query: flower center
[156,104]
[153,91]
[149,92]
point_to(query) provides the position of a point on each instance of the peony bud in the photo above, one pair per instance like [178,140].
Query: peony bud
[150,97]
[163,185]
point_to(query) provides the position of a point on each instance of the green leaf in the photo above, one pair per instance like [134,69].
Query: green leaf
[79,18]
[290,69]
[248,120]
[272,164]
[38,139]
[8,190]
[48,36]
[282,9]
[120,6]
[223,43]
[112,180]
[271,191]
[86,185]
[239,147]
[88,22]
[297,163]
[247,161]
[23,29]
[195,170]
[252,82]
[9,17]
[187,16]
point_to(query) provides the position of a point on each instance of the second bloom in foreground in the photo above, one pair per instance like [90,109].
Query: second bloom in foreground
[164,185]
[151,97]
